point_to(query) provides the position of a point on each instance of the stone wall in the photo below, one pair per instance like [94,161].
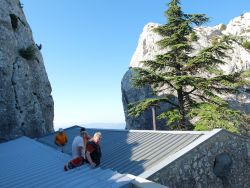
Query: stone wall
[199,169]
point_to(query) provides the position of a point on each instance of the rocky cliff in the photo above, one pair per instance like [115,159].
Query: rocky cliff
[147,49]
[26,104]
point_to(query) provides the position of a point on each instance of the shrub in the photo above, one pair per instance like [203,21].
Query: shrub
[193,37]
[246,44]
[28,53]
[215,40]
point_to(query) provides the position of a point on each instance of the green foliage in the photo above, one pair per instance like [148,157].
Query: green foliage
[246,44]
[135,109]
[28,53]
[194,80]
[215,40]
[193,37]
[212,116]
[172,117]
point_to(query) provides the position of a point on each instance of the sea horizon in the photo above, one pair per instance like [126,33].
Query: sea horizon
[102,125]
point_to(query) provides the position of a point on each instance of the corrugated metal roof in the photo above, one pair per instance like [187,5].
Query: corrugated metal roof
[134,152]
[26,163]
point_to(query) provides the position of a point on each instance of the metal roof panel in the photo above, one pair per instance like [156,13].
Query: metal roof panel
[134,151]
[28,163]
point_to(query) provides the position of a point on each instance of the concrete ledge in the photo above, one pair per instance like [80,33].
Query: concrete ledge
[139,182]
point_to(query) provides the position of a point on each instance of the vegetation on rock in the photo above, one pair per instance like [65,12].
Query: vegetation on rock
[246,44]
[28,53]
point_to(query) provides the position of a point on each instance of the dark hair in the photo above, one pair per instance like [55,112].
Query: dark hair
[82,129]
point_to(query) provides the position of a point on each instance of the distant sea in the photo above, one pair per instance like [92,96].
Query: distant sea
[105,125]
[96,125]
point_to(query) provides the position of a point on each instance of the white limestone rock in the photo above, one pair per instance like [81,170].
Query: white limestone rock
[240,26]
[239,58]
[146,49]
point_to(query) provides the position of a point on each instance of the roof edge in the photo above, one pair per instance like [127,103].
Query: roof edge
[55,131]
[144,183]
[180,153]
[236,134]
[152,131]
[133,130]
[171,132]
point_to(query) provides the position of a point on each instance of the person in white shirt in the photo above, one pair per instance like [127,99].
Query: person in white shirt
[78,144]
[78,150]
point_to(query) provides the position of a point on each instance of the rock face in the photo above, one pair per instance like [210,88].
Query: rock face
[26,104]
[147,49]
[131,94]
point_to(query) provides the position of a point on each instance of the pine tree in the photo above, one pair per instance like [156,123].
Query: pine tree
[194,83]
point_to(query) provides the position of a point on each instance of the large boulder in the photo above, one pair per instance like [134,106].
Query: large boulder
[239,59]
[131,94]
[26,104]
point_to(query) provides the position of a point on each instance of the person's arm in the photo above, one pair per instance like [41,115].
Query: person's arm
[88,137]
[90,160]
[79,150]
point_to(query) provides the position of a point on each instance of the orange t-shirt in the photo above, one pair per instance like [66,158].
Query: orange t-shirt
[61,139]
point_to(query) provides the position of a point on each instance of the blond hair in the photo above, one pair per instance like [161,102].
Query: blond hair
[99,134]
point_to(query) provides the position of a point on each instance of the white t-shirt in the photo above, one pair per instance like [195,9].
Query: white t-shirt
[77,142]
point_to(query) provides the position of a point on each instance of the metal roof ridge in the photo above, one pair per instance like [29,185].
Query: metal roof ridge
[104,129]
[80,126]
[171,132]
[45,147]
[179,153]
[53,132]
[152,131]
[17,138]
[236,134]
[133,130]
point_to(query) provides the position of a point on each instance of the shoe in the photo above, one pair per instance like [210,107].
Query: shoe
[65,168]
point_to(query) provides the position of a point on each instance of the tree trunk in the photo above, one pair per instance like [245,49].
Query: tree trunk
[153,117]
[182,123]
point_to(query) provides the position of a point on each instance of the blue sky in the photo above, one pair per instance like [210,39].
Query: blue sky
[88,45]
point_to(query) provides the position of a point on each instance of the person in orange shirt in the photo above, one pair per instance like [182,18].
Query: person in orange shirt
[61,139]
